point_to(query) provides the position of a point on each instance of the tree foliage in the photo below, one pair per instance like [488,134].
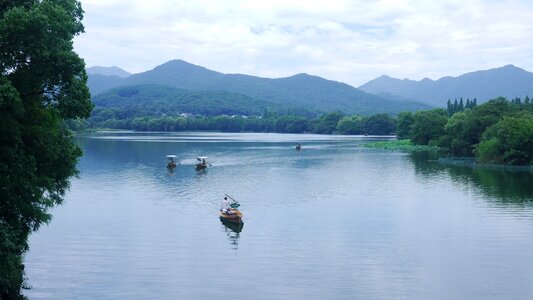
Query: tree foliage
[158,100]
[43,82]
[464,129]
[428,126]
[350,125]
[509,141]
[380,124]
[405,121]
[498,131]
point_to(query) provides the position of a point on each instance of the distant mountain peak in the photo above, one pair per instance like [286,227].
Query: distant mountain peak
[177,63]
[181,66]
[108,71]
[509,81]
[301,75]
[510,66]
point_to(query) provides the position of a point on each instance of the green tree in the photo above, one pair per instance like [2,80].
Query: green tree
[464,130]
[509,141]
[328,123]
[428,126]
[42,83]
[405,122]
[380,124]
[350,125]
[457,139]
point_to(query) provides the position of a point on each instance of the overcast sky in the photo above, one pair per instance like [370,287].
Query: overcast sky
[344,40]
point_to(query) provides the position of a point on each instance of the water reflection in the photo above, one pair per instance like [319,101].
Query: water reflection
[232,231]
[170,171]
[425,164]
[235,227]
[507,187]
[200,172]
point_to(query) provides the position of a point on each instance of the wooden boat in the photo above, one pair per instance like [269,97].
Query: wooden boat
[235,216]
[202,162]
[201,166]
[171,161]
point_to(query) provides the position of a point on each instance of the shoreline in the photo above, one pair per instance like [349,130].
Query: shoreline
[471,163]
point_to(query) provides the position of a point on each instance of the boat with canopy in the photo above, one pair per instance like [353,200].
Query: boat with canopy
[202,162]
[171,161]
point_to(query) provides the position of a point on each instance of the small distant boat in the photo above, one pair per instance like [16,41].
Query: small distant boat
[202,162]
[298,146]
[171,161]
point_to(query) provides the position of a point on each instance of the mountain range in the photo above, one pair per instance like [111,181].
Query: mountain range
[508,81]
[194,88]
[302,90]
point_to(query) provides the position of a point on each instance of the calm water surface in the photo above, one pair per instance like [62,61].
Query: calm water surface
[333,221]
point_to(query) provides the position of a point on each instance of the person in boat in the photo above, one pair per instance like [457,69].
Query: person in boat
[203,161]
[225,206]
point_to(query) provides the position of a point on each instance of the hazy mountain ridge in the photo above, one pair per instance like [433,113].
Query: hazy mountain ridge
[311,92]
[108,71]
[508,81]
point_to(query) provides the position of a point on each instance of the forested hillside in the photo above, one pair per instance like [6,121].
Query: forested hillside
[157,100]
[302,90]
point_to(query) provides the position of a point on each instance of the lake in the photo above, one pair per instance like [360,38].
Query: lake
[332,221]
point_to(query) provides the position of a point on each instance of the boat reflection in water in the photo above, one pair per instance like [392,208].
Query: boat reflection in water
[235,227]
[232,231]
[200,172]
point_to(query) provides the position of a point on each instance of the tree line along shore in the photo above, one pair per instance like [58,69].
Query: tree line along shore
[498,131]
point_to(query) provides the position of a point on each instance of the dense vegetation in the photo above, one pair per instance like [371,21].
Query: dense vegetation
[334,122]
[157,101]
[43,81]
[498,131]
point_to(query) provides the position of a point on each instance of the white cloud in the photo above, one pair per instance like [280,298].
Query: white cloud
[349,41]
